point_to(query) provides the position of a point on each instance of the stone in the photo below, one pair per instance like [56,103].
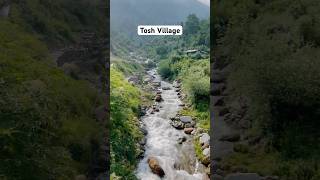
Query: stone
[143,141]
[204,138]
[230,137]
[243,176]
[182,139]
[206,152]
[155,166]
[186,119]
[205,146]
[166,88]
[158,98]
[206,160]
[177,124]
[181,105]
[188,130]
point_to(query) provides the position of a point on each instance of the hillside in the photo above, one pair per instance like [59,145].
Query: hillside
[49,126]
[266,87]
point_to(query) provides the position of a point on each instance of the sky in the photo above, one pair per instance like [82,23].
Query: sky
[206,2]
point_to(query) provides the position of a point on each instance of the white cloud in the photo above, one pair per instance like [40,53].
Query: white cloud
[206,2]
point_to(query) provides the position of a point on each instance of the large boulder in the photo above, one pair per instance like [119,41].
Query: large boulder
[186,119]
[155,166]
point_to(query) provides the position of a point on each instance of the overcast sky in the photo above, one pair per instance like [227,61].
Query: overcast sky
[206,2]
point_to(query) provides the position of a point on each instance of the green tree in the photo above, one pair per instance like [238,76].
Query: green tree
[192,25]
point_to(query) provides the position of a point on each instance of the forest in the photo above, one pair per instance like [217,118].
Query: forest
[268,53]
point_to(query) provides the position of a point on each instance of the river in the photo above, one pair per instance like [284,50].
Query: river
[177,160]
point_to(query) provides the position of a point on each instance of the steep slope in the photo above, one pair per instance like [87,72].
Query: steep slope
[50,123]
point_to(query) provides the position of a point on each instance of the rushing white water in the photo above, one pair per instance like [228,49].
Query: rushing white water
[177,160]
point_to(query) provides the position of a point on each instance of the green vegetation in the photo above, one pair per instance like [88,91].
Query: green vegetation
[195,77]
[192,69]
[58,22]
[125,134]
[47,127]
[273,49]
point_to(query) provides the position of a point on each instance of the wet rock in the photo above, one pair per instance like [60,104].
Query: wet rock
[243,176]
[204,139]
[166,88]
[182,139]
[158,98]
[181,105]
[159,92]
[186,119]
[230,137]
[177,124]
[188,130]
[206,160]
[155,166]
[143,130]
[205,146]
[143,141]
[189,125]
[178,90]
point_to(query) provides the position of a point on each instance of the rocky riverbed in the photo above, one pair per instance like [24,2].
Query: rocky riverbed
[168,146]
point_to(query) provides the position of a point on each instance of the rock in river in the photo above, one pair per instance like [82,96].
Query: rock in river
[158,98]
[155,166]
[188,130]
[186,119]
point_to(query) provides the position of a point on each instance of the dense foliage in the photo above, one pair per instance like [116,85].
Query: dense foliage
[47,127]
[192,68]
[273,49]
[125,134]
[58,22]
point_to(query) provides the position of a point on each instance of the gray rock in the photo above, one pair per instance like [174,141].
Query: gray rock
[204,139]
[206,152]
[182,139]
[186,119]
[243,176]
